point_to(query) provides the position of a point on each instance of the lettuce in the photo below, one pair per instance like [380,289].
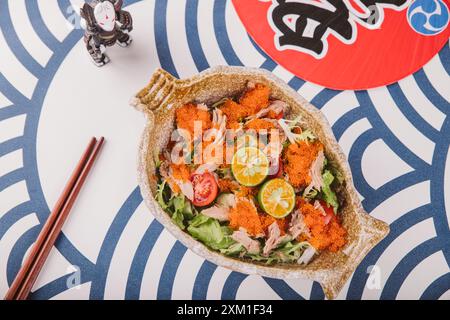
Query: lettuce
[156,159]
[233,250]
[178,207]
[306,135]
[161,195]
[327,193]
[178,218]
[311,194]
[288,253]
[289,125]
[181,210]
[209,231]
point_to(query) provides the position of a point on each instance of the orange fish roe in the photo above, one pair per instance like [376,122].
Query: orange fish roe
[260,124]
[298,159]
[246,192]
[227,185]
[256,98]
[267,220]
[329,236]
[188,114]
[180,171]
[244,215]
[250,103]
[234,112]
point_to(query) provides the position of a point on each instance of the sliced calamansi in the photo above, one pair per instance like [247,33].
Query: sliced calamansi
[250,166]
[277,198]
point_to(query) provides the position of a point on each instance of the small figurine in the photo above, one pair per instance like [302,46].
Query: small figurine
[106,24]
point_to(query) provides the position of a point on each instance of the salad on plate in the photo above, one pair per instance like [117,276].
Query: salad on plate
[250,180]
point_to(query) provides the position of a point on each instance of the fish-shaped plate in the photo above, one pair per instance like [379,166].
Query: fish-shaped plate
[158,101]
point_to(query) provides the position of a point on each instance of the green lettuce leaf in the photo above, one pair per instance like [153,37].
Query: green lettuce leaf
[328,194]
[306,135]
[178,218]
[163,195]
[311,194]
[290,252]
[233,250]
[178,207]
[181,210]
[156,159]
[209,231]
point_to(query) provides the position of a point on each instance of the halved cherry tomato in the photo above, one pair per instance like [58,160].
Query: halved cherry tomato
[205,189]
[328,210]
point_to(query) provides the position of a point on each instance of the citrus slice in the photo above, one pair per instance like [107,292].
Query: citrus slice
[250,166]
[277,198]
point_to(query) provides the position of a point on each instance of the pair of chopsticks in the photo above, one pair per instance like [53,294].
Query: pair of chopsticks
[27,275]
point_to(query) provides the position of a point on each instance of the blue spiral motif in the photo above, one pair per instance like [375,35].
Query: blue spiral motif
[428,17]
[361,122]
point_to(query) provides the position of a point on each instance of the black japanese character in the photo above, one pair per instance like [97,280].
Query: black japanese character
[337,21]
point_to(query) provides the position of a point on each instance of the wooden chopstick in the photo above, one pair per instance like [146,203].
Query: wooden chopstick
[25,279]
[32,275]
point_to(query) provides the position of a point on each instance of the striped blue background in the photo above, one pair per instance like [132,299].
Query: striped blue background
[364,115]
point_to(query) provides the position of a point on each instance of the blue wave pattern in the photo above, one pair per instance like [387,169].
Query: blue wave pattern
[364,115]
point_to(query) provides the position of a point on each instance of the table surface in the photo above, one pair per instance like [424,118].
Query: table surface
[53,99]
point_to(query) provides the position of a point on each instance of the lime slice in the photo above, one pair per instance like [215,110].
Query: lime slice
[277,198]
[250,166]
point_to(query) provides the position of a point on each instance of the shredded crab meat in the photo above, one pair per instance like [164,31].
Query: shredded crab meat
[202,106]
[274,239]
[315,172]
[319,207]
[217,212]
[228,201]
[276,106]
[241,236]
[221,210]
[297,225]
[186,188]
[206,167]
[307,255]
[218,129]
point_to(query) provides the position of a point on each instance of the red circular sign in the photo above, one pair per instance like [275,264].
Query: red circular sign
[348,44]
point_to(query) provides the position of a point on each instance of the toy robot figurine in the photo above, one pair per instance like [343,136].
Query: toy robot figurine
[106,24]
